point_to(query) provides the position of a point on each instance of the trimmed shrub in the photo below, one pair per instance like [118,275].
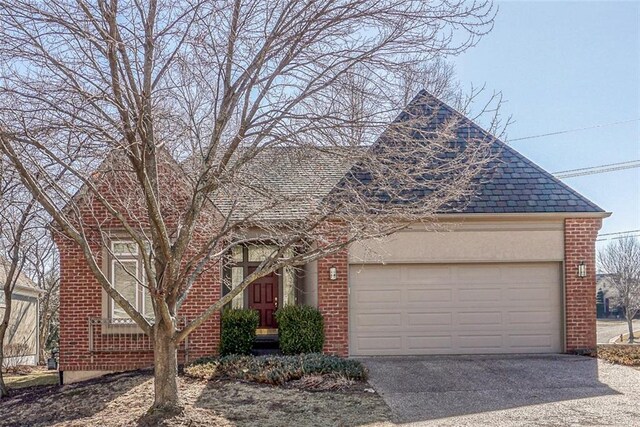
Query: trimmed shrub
[238,331]
[300,329]
[277,369]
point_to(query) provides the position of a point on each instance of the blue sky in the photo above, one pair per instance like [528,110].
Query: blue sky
[566,65]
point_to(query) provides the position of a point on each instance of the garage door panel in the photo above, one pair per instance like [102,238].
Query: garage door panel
[493,310]
[479,295]
[478,275]
[373,296]
[473,318]
[420,343]
[429,319]
[379,344]
[425,274]
[428,295]
[530,318]
[527,294]
[477,341]
[384,320]
[531,341]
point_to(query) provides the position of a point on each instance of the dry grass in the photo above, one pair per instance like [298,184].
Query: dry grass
[31,378]
[121,400]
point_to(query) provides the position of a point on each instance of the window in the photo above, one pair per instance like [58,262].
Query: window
[127,278]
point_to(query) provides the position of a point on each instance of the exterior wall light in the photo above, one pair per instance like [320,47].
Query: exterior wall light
[582,269]
[333,273]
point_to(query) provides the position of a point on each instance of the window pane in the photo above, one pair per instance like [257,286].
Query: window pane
[124,248]
[237,274]
[259,253]
[236,253]
[126,284]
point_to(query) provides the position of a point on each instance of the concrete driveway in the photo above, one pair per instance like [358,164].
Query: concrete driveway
[609,329]
[507,390]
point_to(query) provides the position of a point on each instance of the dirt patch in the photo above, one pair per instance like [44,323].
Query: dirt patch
[122,400]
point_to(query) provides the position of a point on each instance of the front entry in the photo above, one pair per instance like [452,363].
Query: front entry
[263,296]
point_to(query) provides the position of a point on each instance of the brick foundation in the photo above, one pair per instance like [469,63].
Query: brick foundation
[580,292]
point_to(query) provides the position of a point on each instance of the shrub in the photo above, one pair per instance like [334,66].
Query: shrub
[277,369]
[621,354]
[238,331]
[300,329]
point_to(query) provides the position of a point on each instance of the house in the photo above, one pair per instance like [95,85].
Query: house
[512,271]
[21,346]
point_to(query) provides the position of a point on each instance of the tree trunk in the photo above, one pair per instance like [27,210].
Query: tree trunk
[630,325]
[166,369]
[42,341]
[4,391]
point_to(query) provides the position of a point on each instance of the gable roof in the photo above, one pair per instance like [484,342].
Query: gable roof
[512,183]
[23,283]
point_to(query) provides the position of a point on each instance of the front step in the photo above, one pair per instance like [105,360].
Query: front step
[266,352]
[265,345]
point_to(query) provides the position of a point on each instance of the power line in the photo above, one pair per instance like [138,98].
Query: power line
[611,167]
[619,232]
[618,238]
[560,132]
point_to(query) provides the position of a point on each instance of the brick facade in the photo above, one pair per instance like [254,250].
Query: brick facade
[333,303]
[81,298]
[580,292]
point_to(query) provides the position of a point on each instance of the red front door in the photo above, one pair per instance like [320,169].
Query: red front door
[263,296]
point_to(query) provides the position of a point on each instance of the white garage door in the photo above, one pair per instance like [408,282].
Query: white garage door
[455,309]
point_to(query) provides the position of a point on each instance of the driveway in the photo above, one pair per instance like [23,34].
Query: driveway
[609,329]
[544,390]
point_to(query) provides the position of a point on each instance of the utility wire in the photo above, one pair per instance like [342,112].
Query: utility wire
[598,169]
[572,130]
[619,232]
[618,238]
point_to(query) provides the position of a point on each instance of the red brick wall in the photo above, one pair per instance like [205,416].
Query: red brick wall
[580,292]
[333,302]
[81,298]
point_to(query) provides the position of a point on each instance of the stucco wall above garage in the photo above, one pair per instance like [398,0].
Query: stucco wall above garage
[467,240]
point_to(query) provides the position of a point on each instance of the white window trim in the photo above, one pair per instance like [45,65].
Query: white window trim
[124,242]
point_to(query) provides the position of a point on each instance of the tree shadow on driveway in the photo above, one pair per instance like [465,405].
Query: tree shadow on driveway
[429,388]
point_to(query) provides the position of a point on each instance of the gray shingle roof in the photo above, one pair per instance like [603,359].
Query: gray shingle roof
[512,183]
[515,184]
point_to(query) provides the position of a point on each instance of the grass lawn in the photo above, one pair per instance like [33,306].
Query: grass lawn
[38,377]
[122,399]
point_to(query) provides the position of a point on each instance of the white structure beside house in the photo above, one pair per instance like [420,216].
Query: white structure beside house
[21,345]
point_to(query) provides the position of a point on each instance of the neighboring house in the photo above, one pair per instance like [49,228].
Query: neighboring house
[21,339]
[605,297]
[503,276]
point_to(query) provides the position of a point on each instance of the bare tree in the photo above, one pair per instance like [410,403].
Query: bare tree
[620,261]
[177,123]
[21,232]
[47,277]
